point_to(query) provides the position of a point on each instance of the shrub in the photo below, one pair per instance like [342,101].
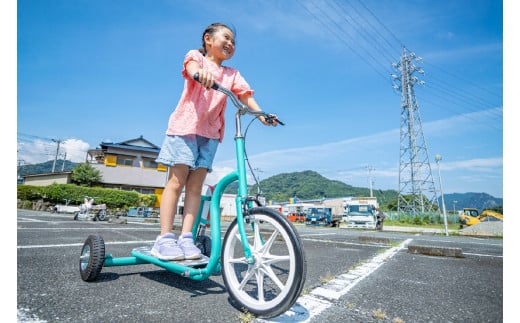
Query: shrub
[74,194]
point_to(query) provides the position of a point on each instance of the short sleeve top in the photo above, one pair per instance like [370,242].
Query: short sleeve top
[200,111]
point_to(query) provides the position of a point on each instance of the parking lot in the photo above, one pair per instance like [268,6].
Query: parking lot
[352,276]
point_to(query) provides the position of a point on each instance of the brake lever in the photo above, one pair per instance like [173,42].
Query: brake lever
[271,118]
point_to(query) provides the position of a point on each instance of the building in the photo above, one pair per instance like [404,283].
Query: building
[47,179]
[130,165]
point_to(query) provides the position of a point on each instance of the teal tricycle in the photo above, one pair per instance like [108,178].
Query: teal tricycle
[261,256]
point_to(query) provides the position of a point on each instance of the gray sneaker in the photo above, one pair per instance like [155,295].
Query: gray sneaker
[191,252]
[166,248]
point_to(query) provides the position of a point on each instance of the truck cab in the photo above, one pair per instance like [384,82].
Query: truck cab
[360,215]
[320,215]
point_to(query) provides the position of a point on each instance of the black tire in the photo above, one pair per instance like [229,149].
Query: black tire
[379,226]
[102,215]
[76,215]
[204,244]
[92,258]
[279,260]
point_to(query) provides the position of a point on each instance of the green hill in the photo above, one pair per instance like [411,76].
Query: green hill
[309,185]
[46,167]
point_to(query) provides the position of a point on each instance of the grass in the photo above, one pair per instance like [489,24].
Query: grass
[451,226]
[246,317]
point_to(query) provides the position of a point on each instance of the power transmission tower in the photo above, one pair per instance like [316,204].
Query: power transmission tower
[416,185]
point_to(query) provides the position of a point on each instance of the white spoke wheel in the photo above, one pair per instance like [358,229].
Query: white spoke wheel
[268,283]
[92,257]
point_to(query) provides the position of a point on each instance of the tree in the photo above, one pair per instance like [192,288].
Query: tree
[85,175]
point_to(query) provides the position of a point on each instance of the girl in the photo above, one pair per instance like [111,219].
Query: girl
[195,129]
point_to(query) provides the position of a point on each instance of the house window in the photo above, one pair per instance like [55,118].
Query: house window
[148,163]
[125,161]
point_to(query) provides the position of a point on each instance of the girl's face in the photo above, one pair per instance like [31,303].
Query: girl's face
[221,45]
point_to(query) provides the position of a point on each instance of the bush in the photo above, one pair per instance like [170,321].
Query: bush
[73,194]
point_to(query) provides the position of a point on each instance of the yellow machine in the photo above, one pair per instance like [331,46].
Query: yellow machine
[470,216]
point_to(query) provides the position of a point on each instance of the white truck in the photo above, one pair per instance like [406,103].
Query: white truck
[361,213]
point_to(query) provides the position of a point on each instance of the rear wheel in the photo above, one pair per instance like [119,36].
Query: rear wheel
[92,257]
[204,244]
[268,283]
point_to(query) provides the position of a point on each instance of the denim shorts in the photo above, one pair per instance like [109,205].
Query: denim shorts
[192,150]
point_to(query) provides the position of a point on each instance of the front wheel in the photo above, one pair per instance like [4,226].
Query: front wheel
[268,283]
[92,257]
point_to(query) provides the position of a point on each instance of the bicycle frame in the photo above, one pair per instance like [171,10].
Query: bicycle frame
[242,200]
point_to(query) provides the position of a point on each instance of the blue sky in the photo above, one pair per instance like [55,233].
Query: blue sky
[93,71]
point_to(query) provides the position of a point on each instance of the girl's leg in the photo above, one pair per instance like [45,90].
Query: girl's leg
[192,198]
[170,196]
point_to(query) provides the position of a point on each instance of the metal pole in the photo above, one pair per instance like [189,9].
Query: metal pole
[438,159]
[57,152]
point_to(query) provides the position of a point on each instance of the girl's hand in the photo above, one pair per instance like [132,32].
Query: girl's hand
[271,121]
[206,79]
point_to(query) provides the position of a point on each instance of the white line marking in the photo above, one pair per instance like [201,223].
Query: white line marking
[81,244]
[481,255]
[321,298]
[30,220]
[348,243]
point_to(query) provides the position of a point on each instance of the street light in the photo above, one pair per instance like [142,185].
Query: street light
[437,160]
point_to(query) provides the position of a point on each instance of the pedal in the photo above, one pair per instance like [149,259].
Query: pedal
[146,252]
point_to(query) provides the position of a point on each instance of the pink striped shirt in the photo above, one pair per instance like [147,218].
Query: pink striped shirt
[200,111]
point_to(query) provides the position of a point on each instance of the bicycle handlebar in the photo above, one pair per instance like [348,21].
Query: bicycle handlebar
[270,118]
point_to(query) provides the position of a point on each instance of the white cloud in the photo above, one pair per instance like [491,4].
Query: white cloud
[75,150]
[39,151]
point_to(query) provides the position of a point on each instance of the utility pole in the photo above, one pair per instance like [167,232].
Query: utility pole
[417,192]
[58,141]
[64,159]
[20,163]
[370,169]
[438,158]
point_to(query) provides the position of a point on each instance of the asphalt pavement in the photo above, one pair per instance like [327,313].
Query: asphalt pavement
[352,276]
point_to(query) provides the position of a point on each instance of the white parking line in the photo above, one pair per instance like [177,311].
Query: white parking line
[81,244]
[321,298]
[29,220]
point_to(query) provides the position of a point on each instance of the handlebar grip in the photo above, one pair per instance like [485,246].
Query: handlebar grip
[215,85]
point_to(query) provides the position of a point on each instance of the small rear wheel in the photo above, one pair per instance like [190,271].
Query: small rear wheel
[204,244]
[269,282]
[92,258]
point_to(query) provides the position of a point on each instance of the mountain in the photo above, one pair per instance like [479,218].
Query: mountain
[308,185]
[481,201]
[46,167]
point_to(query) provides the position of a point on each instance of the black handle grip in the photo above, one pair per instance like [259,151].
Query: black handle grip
[215,85]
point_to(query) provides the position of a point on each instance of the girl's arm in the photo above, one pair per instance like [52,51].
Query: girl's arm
[206,79]
[251,103]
